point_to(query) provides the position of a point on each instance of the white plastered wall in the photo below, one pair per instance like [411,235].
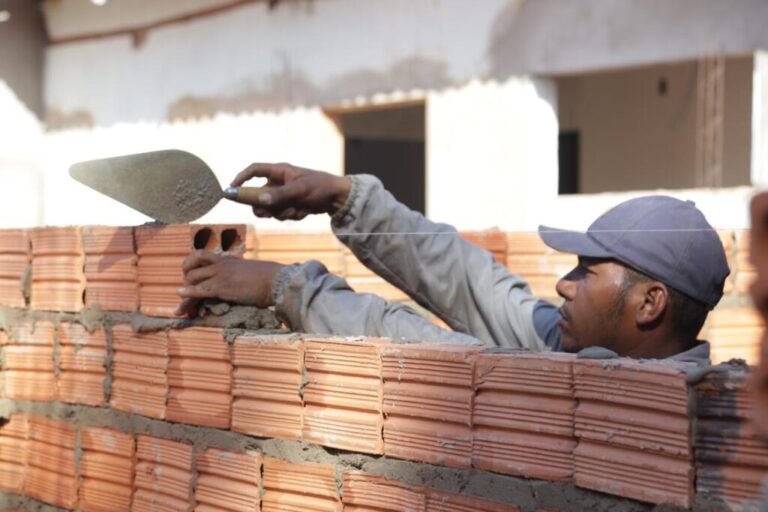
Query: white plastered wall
[492,153]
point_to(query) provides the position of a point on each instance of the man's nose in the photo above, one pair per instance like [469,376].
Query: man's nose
[566,285]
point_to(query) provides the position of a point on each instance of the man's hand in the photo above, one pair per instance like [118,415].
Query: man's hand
[295,192]
[213,276]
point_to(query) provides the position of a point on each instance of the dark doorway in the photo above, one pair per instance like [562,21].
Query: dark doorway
[399,164]
[568,161]
[388,142]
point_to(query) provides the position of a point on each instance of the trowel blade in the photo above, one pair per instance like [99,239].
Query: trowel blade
[170,186]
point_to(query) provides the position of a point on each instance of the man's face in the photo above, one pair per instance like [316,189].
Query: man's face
[594,312]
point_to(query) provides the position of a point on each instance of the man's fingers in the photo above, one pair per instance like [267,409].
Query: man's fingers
[199,291]
[199,258]
[273,172]
[285,196]
[187,307]
[198,275]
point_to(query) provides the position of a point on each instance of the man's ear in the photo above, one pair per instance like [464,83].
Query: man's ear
[655,300]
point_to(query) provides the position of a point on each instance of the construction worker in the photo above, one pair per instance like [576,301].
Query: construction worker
[649,271]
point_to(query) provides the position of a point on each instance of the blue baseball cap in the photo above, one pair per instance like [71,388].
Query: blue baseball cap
[662,237]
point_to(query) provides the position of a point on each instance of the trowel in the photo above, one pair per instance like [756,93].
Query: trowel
[171,186]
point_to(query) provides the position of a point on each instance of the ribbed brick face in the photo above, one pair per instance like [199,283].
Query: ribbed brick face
[29,370]
[110,268]
[164,475]
[308,487]
[82,365]
[106,470]
[364,492]
[343,395]
[268,378]
[228,481]
[58,281]
[14,452]
[523,415]
[15,258]
[139,372]
[199,377]
[428,393]
[731,459]
[51,462]
[634,430]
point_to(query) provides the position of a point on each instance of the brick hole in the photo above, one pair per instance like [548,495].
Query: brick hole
[204,239]
[230,239]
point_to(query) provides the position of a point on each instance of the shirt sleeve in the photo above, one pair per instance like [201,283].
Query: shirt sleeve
[459,282]
[310,299]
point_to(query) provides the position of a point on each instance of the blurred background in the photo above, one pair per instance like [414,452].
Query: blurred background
[492,113]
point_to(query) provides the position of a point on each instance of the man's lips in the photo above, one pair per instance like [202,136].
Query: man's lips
[565,317]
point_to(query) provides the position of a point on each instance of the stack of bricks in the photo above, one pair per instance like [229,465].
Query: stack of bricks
[731,460]
[14,263]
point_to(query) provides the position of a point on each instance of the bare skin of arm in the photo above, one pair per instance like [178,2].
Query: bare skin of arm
[293,194]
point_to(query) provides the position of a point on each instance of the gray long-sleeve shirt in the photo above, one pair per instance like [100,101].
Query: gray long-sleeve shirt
[459,282]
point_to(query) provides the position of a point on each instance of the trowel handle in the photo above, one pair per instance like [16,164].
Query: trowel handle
[245,195]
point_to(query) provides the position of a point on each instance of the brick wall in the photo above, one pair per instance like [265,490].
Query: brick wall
[99,416]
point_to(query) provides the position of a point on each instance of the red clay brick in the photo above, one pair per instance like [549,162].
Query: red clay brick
[200,378]
[634,430]
[428,403]
[14,450]
[364,492]
[15,252]
[58,281]
[523,415]
[51,467]
[310,487]
[228,481]
[267,386]
[106,468]
[139,372]
[164,474]
[441,501]
[110,268]
[82,360]
[343,395]
[29,368]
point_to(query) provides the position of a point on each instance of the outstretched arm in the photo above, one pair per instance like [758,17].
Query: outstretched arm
[307,298]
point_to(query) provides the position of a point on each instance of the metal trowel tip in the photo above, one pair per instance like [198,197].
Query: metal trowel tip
[231,192]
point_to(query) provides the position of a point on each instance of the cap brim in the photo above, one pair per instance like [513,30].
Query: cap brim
[573,242]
